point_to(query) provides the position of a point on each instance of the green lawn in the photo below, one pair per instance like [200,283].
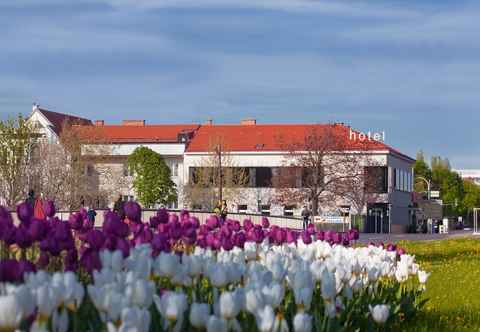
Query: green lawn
[453,288]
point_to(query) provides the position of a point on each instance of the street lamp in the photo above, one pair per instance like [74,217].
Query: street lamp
[428,182]
[218,151]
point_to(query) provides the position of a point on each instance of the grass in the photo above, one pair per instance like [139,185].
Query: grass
[453,288]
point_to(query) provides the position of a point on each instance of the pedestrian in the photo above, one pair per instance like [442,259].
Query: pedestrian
[91,214]
[118,207]
[31,198]
[306,216]
[38,211]
[223,210]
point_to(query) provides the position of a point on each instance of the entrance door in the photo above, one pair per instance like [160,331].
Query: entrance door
[377,219]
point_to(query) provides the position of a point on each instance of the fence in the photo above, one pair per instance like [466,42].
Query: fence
[282,221]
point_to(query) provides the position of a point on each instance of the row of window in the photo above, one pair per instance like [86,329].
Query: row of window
[403,180]
[173,168]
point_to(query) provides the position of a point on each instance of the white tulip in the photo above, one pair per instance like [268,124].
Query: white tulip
[199,313]
[423,276]
[273,294]
[217,274]
[229,305]
[140,293]
[253,300]
[166,264]
[265,319]
[328,286]
[171,305]
[380,313]
[302,322]
[60,321]
[11,312]
[216,324]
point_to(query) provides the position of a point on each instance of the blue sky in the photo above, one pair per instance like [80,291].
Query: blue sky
[409,68]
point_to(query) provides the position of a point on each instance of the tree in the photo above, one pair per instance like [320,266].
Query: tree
[17,139]
[327,171]
[152,177]
[421,169]
[215,177]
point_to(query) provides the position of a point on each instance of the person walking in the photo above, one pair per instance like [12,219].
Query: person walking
[91,214]
[306,216]
[118,207]
[38,211]
[223,210]
[31,198]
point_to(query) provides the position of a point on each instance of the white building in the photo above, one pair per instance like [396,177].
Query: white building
[257,148]
[470,174]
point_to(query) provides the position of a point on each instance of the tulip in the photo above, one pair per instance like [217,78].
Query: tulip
[162,215]
[265,319]
[9,271]
[423,276]
[302,322]
[49,208]
[199,313]
[95,239]
[171,305]
[216,324]
[265,222]
[23,238]
[37,230]
[229,305]
[133,211]
[12,312]
[24,212]
[380,313]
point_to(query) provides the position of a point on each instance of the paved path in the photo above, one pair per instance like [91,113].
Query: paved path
[393,238]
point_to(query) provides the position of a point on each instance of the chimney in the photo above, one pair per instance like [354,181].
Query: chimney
[248,122]
[209,122]
[138,123]
[99,122]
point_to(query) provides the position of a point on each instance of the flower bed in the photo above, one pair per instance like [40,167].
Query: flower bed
[174,274]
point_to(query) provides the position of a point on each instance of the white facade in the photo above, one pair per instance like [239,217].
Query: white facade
[473,174]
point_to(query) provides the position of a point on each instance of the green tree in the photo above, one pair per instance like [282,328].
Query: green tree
[152,177]
[17,140]
[421,169]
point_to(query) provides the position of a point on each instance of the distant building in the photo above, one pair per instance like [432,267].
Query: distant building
[254,147]
[470,174]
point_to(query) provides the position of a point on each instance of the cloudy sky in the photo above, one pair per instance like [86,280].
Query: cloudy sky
[409,68]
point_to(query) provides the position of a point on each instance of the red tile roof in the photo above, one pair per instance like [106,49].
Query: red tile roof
[139,134]
[58,120]
[276,137]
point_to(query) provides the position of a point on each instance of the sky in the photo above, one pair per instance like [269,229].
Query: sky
[410,69]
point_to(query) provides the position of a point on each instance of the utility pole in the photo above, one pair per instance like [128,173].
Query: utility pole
[429,183]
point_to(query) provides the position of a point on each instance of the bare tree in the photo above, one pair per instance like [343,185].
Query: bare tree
[17,139]
[64,173]
[215,177]
[321,168]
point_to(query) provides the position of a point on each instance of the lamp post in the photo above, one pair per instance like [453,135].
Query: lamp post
[218,151]
[429,184]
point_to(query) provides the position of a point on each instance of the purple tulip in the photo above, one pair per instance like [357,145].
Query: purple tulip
[337,238]
[90,260]
[184,214]
[51,245]
[43,260]
[194,222]
[8,233]
[160,242]
[123,246]
[133,211]
[145,236]
[265,222]
[22,238]
[321,235]
[24,212]
[49,208]
[71,260]
[227,244]
[391,247]
[328,236]
[5,216]
[401,251]
[306,237]
[311,229]
[25,266]
[110,243]
[189,236]
[212,222]
[162,215]
[95,239]
[37,229]
[175,230]
[154,222]
[76,221]
[291,238]
[9,271]
[239,239]
[172,218]
[247,225]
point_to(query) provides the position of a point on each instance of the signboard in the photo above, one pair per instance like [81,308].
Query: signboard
[344,210]
[330,219]
[434,194]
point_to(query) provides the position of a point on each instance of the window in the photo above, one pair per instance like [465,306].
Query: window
[263,177]
[127,198]
[288,210]
[89,170]
[242,208]
[127,171]
[174,169]
[376,179]
[403,180]
[197,207]
[285,177]
[265,209]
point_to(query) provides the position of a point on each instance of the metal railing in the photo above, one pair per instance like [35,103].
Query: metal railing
[281,221]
